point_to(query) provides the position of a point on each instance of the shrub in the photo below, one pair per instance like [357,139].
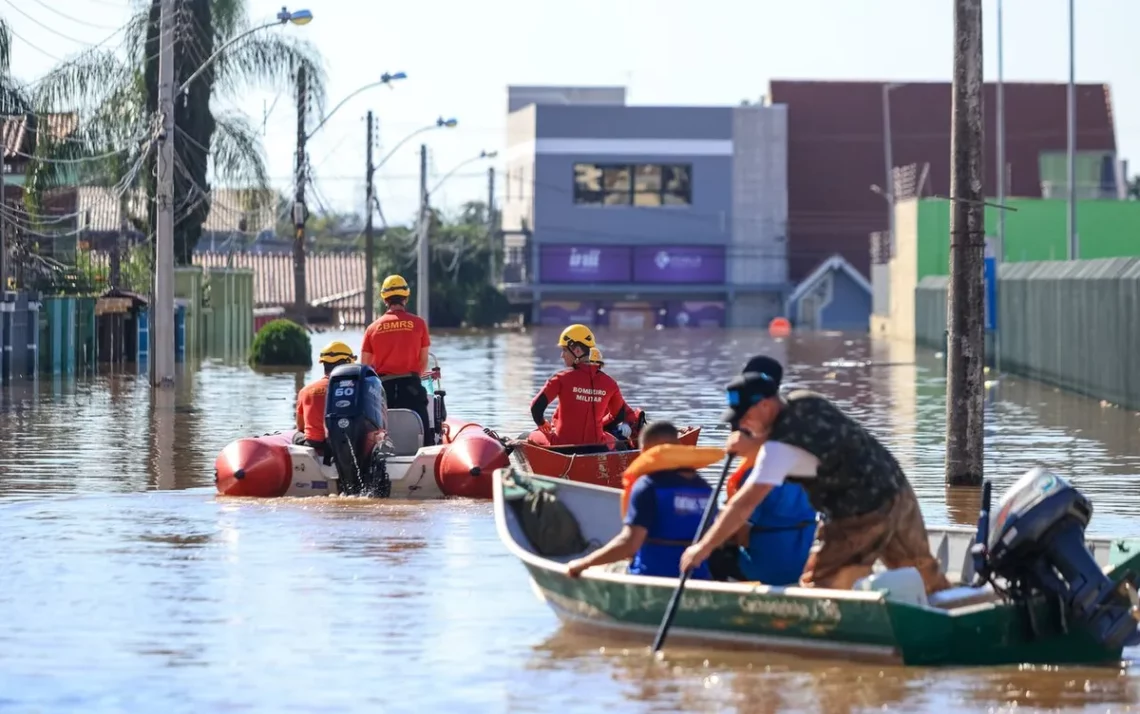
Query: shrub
[281,343]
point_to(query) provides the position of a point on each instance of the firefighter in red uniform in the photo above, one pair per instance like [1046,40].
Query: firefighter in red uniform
[585,396]
[396,346]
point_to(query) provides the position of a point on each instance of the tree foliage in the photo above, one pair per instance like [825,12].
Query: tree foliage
[281,343]
[116,97]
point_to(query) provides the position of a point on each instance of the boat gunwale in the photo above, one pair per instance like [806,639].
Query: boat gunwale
[726,588]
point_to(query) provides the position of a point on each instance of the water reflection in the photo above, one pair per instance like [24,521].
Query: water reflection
[128,585]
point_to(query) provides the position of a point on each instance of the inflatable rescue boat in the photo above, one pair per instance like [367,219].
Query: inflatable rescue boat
[370,450]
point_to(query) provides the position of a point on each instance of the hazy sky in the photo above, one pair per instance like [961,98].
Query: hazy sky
[461,55]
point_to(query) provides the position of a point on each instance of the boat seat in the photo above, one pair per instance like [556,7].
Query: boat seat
[962,596]
[405,431]
[899,585]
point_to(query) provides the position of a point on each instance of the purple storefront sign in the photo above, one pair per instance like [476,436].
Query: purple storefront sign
[584,264]
[678,264]
[693,313]
[566,313]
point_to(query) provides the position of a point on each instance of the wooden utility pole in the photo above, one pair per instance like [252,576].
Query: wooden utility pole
[300,211]
[369,239]
[965,302]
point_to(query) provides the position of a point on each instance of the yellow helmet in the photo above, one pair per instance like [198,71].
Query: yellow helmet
[596,356]
[576,333]
[394,286]
[337,352]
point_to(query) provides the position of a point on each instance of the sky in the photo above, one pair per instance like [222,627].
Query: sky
[460,56]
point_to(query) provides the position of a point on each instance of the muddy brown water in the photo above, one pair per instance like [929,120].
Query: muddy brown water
[128,587]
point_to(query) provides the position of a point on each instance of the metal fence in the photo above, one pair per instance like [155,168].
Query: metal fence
[1075,325]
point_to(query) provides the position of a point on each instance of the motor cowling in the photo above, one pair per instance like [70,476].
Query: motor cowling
[1036,543]
[355,421]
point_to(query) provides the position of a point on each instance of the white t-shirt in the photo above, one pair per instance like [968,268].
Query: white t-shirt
[776,461]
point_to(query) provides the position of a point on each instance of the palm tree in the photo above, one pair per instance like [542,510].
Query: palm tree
[116,97]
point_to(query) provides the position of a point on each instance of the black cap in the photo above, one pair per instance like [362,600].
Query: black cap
[759,380]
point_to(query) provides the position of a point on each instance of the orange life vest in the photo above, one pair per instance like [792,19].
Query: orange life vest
[736,480]
[665,457]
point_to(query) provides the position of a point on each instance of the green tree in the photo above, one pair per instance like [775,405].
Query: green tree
[117,99]
[461,294]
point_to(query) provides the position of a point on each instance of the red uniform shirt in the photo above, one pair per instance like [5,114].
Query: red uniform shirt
[585,395]
[311,408]
[395,341]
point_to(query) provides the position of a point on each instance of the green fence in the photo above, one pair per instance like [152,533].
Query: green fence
[228,317]
[1074,324]
[189,283]
[66,335]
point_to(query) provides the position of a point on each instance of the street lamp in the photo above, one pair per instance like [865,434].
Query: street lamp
[440,123]
[482,155]
[162,325]
[299,17]
[385,79]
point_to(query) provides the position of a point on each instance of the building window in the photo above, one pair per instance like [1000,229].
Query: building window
[633,184]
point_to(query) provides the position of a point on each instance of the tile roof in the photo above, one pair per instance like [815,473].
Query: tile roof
[18,137]
[328,275]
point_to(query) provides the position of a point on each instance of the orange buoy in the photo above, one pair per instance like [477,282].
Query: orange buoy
[779,327]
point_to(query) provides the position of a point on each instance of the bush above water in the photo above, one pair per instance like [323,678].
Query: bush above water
[281,343]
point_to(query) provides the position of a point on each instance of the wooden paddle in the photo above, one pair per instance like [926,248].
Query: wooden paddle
[671,610]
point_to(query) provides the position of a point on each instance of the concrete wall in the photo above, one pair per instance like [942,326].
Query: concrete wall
[759,242]
[1075,325]
[903,267]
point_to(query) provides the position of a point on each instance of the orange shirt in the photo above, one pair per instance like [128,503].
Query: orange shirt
[585,395]
[395,341]
[311,408]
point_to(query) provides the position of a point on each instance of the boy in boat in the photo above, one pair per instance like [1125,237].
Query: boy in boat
[628,431]
[662,517]
[311,398]
[870,511]
[773,546]
[396,345]
[585,395]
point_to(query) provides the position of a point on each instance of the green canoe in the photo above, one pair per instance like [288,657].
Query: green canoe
[960,627]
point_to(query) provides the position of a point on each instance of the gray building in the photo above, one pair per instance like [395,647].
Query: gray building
[635,216]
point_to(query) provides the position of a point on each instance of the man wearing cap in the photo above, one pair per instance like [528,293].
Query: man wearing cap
[870,511]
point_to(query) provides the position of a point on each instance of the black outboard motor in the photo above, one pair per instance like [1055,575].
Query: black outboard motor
[355,418]
[1036,543]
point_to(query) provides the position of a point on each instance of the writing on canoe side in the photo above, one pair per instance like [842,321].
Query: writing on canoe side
[812,610]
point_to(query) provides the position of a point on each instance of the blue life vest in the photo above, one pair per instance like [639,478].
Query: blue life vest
[678,515]
[783,529]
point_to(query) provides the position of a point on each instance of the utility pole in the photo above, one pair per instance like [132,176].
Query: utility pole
[423,262]
[966,298]
[162,307]
[492,233]
[369,241]
[888,160]
[300,212]
[1074,239]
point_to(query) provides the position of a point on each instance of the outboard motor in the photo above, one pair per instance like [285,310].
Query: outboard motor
[355,421]
[1036,544]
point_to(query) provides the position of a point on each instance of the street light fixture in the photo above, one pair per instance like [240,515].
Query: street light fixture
[299,17]
[482,155]
[440,123]
[385,79]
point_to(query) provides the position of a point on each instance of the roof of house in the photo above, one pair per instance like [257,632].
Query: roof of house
[18,132]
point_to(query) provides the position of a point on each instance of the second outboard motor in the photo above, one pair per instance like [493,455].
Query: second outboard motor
[1036,543]
[355,410]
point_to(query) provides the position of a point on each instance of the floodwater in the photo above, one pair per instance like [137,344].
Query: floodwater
[126,586]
